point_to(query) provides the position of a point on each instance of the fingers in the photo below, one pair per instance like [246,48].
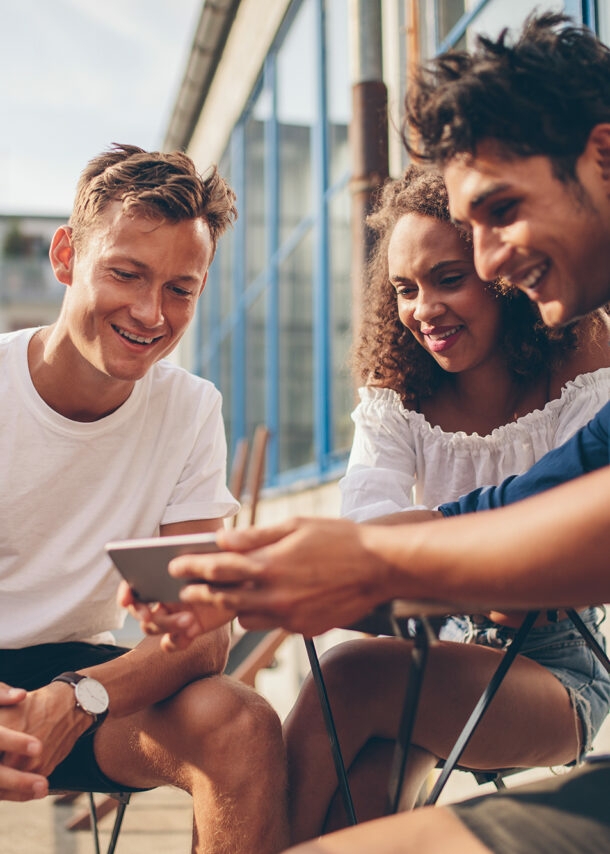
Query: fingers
[21,785]
[125,597]
[222,568]
[231,602]
[18,785]
[158,618]
[175,642]
[200,595]
[10,696]
[247,539]
[259,622]
[14,741]
[230,566]
[180,629]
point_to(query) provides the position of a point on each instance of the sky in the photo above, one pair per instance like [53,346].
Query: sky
[78,75]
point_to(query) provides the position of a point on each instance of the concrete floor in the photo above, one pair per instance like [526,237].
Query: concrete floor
[156,822]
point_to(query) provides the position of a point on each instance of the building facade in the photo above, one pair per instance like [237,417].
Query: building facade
[299,104]
[30,295]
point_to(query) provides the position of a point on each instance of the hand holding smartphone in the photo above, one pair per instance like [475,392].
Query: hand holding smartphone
[143,563]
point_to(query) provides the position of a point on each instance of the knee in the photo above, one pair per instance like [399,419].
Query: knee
[234,723]
[345,687]
[344,669]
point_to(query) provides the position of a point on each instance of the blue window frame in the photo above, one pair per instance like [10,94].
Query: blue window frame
[274,322]
[465,18]
[274,326]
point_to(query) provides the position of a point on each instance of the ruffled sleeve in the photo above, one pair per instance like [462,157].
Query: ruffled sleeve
[382,465]
[580,401]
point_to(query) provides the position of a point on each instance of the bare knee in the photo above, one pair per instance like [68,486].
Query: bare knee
[343,684]
[345,667]
[233,727]
[365,674]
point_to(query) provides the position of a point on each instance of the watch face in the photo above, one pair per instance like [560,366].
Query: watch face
[91,696]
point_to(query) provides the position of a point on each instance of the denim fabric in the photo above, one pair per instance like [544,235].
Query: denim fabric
[561,649]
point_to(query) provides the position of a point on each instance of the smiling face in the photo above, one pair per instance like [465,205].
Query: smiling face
[440,298]
[548,237]
[133,285]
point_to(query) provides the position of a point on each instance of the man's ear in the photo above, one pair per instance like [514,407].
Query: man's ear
[203,284]
[61,254]
[598,147]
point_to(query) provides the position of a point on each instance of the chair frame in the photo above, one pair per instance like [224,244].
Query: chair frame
[423,638]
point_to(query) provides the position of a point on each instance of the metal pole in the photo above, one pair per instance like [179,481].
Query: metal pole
[368,134]
[335,747]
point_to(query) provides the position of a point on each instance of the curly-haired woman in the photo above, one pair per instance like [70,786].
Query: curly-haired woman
[462,386]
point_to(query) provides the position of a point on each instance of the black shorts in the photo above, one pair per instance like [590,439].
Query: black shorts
[35,666]
[566,814]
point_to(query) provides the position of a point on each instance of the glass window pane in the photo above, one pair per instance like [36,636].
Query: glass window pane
[337,88]
[603,16]
[256,363]
[296,357]
[226,385]
[254,202]
[296,111]
[505,13]
[340,322]
[221,272]
[449,13]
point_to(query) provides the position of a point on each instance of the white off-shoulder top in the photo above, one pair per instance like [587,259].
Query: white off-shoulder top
[399,460]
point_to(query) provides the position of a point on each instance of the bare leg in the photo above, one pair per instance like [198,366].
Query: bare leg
[433,830]
[366,681]
[220,741]
[368,779]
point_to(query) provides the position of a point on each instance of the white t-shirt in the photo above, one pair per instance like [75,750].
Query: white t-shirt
[69,487]
[399,460]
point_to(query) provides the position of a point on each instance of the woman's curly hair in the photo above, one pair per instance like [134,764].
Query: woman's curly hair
[385,352]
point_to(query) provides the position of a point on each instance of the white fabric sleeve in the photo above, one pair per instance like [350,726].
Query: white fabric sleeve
[381,469]
[581,399]
[201,491]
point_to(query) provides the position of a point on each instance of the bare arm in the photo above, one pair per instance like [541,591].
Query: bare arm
[310,575]
[140,678]
[548,550]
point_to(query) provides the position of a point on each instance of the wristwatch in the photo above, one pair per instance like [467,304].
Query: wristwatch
[91,696]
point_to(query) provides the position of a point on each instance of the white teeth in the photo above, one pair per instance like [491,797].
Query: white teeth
[535,275]
[442,335]
[137,338]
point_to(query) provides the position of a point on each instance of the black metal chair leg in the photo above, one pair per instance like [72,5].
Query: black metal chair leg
[123,799]
[94,828]
[118,821]
[419,656]
[481,707]
[318,679]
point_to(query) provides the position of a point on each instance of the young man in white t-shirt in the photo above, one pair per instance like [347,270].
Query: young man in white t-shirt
[102,440]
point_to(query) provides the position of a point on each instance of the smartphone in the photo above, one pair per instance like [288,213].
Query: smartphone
[143,563]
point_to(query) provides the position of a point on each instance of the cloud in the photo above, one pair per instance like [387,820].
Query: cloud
[78,75]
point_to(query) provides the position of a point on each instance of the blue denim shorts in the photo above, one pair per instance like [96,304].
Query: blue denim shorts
[561,649]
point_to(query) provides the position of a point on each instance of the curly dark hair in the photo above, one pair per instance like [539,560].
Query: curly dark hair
[386,354]
[540,95]
[158,184]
